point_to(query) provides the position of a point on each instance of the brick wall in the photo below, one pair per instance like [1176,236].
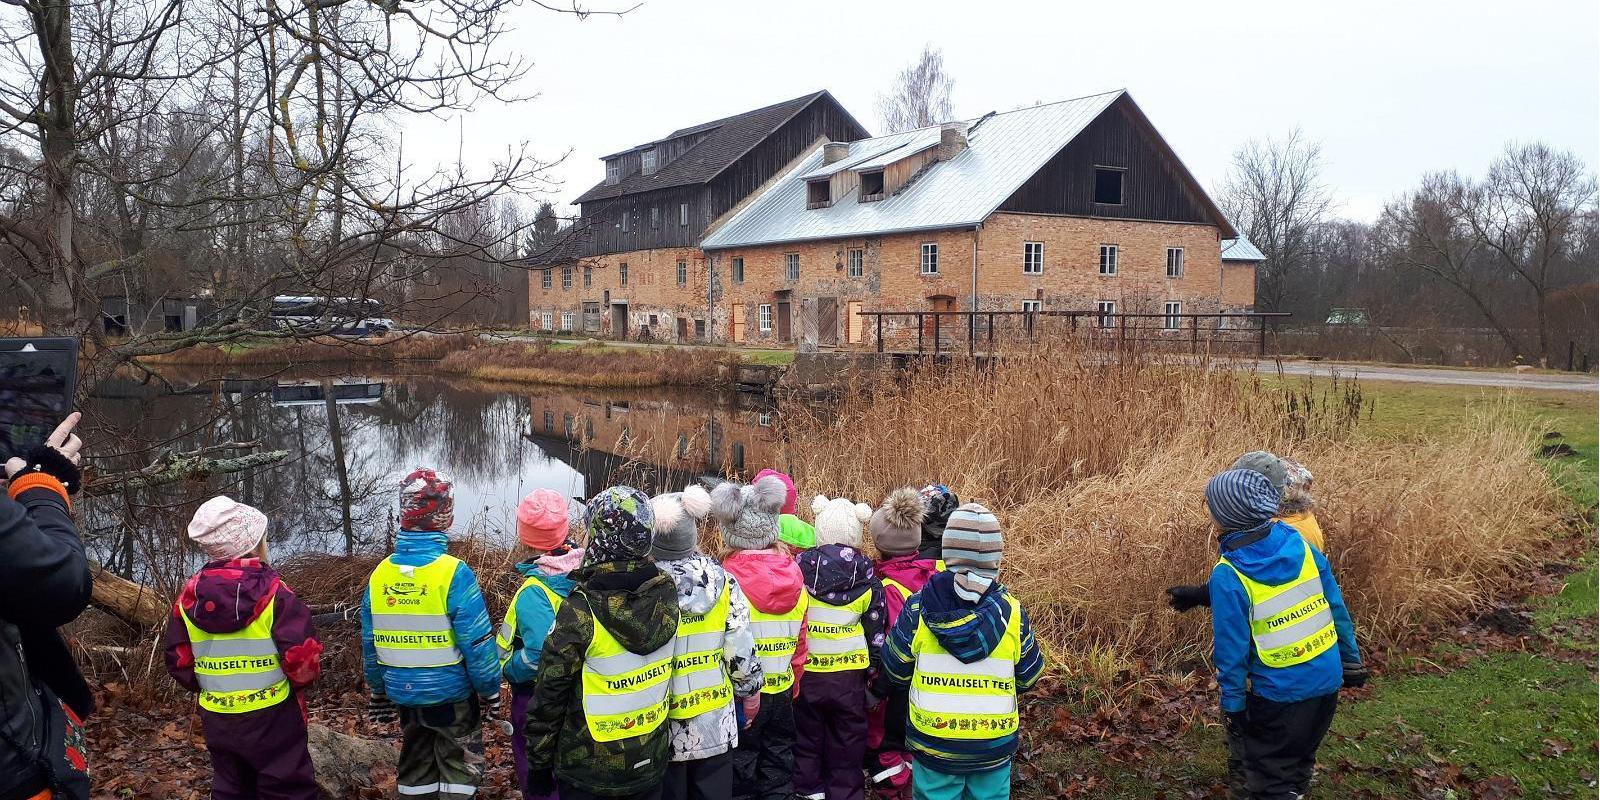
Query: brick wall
[687,435]
[652,290]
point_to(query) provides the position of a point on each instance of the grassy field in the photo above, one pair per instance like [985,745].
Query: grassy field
[1474,714]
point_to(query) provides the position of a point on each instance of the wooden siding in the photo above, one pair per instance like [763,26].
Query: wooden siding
[820,120]
[896,175]
[1152,187]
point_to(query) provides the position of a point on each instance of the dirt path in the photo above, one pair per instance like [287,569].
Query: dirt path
[1507,379]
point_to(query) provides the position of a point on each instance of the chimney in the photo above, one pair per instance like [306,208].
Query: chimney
[952,140]
[834,151]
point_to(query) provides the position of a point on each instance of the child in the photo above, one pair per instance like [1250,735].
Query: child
[964,647]
[763,763]
[428,648]
[1295,508]
[714,659]
[844,636]
[792,530]
[896,529]
[1281,632]
[242,639]
[938,502]
[597,723]
[542,527]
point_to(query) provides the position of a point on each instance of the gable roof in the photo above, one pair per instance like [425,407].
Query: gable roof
[1004,149]
[724,142]
[1240,249]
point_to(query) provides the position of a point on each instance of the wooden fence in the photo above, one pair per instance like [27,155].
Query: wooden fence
[977,332]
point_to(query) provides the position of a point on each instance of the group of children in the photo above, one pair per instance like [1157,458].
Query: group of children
[796,666]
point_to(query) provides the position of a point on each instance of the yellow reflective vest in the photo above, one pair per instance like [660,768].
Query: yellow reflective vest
[835,638]
[624,693]
[410,613]
[1292,623]
[239,671]
[505,637]
[700,682]
[777,637]
[953,700]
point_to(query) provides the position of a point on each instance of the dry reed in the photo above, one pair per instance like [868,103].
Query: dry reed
[412,347]
[587,365]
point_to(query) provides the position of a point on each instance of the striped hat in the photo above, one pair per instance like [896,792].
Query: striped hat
[1241,499]
[972,549]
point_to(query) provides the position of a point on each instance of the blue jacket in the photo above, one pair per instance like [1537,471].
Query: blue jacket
[426,686]
[1273,560]
[970,632]
[535,618]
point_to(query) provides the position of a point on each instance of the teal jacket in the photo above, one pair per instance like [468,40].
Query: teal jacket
[535,618]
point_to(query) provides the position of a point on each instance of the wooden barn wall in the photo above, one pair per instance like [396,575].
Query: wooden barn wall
[606,235]
[1151,188]
[820,119]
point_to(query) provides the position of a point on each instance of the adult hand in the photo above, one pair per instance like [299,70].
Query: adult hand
[1355,675]
[1183,598]
[752,707]
[381,710]
[57,457]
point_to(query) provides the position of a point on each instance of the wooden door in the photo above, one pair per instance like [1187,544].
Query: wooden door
[855,325]
[827,322]
[738,323]
[683,329]
[785,329]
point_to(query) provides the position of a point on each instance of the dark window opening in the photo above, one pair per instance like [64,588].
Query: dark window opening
[817,195]
[871,186]
[1108,186]
[699,329]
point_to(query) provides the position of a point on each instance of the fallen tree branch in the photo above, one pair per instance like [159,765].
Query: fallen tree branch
[130,602]
[175,467]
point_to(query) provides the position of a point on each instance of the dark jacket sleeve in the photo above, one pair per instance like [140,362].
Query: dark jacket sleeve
[296,637]
[44,575]
[560,669]
[874,624]
[179,652]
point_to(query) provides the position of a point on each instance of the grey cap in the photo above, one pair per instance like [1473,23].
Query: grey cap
[1267,464]
[677,526]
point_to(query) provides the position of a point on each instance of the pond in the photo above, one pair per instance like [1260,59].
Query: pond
[497,443]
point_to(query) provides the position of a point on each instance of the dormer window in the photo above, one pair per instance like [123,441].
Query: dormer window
[647,161]
[614,170]
[817,194]
[871,186]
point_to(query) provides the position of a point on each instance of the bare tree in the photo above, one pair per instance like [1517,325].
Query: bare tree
[921,95]
[1275,194]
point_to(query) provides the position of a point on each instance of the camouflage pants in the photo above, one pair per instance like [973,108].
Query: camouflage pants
[441,751]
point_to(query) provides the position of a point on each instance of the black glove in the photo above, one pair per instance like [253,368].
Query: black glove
[1235,722]
[541,782]
[1183,598]
[381,710]
[1355,675]
[51,462]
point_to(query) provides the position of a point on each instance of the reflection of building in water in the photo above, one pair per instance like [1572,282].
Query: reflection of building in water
[695,434]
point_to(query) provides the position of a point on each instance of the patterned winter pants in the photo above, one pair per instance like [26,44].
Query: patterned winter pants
[441,751]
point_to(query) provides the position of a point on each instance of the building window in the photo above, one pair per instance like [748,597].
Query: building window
[683,213]
[1106,308]
[588,429]
[569,321]
[614,170]
[683,272]
[588,277]
[791,264]
[547,320]
[1033,258]
[1108,185]
[624,222]
[566,277]
[647,161]
[1174,262]
[738,270]
[1032,306]
[544,279]
[817,194]
[764,419]
[566,425]
[854,266]
[930,258]
[652,320]
[682,450]
[1173,309]
[1108,259]
[549,422]
[699,329]
[766,317]
[871,186]
[622,274]
[655,217]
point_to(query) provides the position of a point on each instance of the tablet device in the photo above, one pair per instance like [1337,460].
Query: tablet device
[38,378]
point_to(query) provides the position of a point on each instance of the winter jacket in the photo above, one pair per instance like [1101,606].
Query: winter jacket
[838,574]
[535,615]
[796,532]
[1273,560]
[700,581]
[44,583]
[911,571]
[1306,524]
[772,583]
[226,596]
[970,632]
[639,606]
[425,686]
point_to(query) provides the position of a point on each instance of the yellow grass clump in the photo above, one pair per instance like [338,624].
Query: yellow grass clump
[587,365]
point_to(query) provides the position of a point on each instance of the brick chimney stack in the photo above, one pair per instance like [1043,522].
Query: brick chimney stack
[952,139]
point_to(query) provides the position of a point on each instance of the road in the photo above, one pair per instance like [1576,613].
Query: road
[1498,379]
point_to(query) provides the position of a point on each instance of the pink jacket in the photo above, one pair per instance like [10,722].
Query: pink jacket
[771,581]
[907,570]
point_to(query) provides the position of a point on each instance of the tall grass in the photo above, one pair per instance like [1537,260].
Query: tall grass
[1097,469]
[321,350]
[588,365]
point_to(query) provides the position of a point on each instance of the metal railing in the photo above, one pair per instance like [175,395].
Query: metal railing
[944,331]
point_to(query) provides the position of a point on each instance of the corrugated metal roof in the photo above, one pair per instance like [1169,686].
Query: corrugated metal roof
[926,138]
[1001,155]
[856,154]
[1241,249]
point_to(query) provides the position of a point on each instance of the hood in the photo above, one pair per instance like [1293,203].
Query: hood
[633,600]
[970,631]
[1273,560]
[770,579]
[419,547]
[938,504]
[699,580]
[558,562]
[836,573]
[225,596]
[561,582]
[910,570]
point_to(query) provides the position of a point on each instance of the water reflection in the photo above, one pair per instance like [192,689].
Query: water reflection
[498,445]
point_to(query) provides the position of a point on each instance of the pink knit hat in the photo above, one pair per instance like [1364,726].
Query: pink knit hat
[790,497]
[226,529]
[542,519]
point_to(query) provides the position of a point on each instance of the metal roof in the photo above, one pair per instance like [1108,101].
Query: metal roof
[1002,153]
[1241,249]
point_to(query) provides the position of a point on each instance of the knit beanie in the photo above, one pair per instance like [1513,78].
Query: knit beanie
[839,520]
[619,521]
[973,546]
[426,503]
[897,524]
[542,520]
[226,529]
[677,525]
[1265,463]
[791,498]
[1241,499]
[748,514]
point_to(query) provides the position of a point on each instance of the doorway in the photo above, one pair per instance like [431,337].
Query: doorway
[619,320]
[784,319]
[827,321]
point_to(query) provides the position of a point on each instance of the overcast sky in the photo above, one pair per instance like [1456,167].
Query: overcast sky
[1390,89]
